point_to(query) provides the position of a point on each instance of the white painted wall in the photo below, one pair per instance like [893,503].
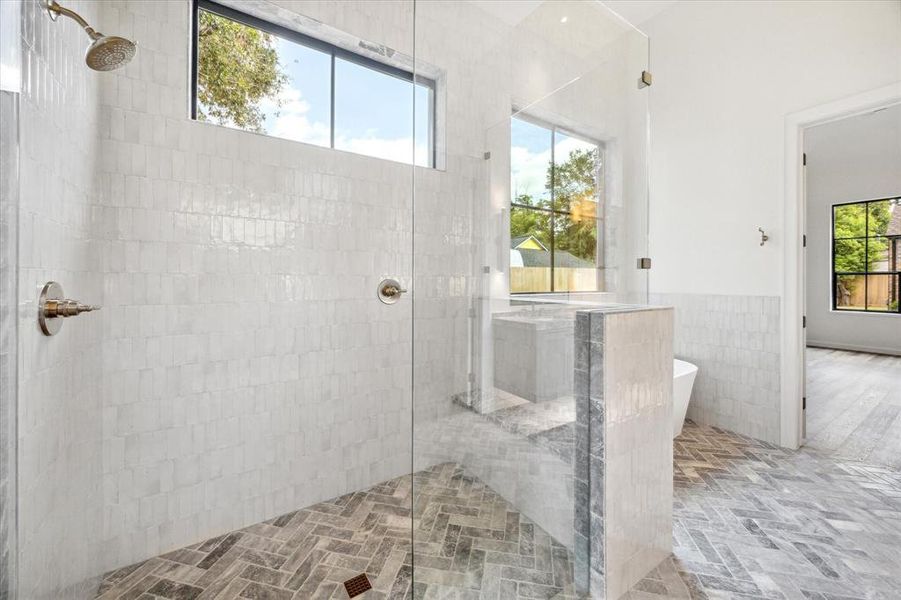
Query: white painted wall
[858,158]
[725,76]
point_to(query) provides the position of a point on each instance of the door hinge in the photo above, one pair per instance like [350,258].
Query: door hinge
[804,159]
[804,403]
[804,321]
[644,263]
[804,240]
[645,80]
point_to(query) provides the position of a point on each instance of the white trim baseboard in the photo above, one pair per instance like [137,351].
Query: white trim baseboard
[853,348]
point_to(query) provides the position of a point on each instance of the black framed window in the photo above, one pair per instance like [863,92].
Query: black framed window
[866,256]
[555,219]
[258,76]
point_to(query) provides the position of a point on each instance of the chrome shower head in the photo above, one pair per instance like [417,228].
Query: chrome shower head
[106,52]
[109,52]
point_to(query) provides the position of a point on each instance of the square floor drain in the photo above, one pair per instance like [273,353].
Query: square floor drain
[357,585]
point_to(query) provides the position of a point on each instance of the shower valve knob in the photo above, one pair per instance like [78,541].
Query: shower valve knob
[53,306]
[389,291]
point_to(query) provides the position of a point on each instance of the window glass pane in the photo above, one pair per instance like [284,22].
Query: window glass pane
[850,292]
[880,215]
[530,162]
[576,166]
[530,250]
[850,220]
[879,255]
[575,253]
[882,293]
[850,256]
[373,112]
[252,80]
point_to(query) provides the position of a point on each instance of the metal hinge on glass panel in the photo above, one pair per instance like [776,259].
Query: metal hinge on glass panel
[644,263]
[645,79]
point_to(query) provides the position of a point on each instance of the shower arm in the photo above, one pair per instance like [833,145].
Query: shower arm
[54,9]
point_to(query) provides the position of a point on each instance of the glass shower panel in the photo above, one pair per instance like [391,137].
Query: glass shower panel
[236,421]
[538,208]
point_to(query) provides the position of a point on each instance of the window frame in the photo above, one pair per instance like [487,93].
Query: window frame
[866,272]
[554,129]
[333,50]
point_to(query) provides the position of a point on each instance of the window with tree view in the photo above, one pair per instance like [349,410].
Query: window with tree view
[258,76]
[866,255]
[554,214]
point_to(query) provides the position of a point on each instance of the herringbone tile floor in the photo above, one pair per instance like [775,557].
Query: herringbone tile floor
[751,521]
[470,543]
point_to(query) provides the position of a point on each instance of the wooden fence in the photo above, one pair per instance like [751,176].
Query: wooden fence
[538,279]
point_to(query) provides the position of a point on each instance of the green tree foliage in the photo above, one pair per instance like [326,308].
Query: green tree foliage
[574,185]
[530,222]
[238,67]
[856,255]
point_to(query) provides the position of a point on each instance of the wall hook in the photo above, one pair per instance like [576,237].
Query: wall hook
[764,238]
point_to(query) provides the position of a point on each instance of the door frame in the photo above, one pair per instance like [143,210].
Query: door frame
[791,412]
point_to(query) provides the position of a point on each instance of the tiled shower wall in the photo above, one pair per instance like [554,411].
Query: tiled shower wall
[248,367]
[734,341]
[59,378]
[9,202]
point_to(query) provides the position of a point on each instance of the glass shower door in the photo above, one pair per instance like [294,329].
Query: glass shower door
[537,207]
[236,420]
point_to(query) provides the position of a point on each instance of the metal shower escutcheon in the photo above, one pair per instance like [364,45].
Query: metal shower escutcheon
[390,291]
[53,307]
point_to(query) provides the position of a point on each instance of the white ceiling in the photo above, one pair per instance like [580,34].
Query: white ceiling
[637,12]
[634,12]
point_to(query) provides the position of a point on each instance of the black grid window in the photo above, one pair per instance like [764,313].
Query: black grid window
[555,209]
[353,91]
[866,256]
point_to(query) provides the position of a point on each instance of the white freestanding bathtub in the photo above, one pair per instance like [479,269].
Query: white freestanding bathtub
[683,379]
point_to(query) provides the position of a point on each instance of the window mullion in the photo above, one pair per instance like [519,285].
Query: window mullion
[332,106]
[553,218]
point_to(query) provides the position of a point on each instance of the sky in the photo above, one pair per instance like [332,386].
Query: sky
[373,111]
[530,155]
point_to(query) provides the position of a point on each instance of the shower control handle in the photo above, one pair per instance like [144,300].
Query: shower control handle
[53,306]
[66,308]
[390,290]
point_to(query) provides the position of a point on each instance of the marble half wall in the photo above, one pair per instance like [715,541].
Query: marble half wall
[623,446]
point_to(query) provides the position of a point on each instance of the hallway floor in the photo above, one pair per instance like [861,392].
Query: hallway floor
[751,520]
[854,405]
